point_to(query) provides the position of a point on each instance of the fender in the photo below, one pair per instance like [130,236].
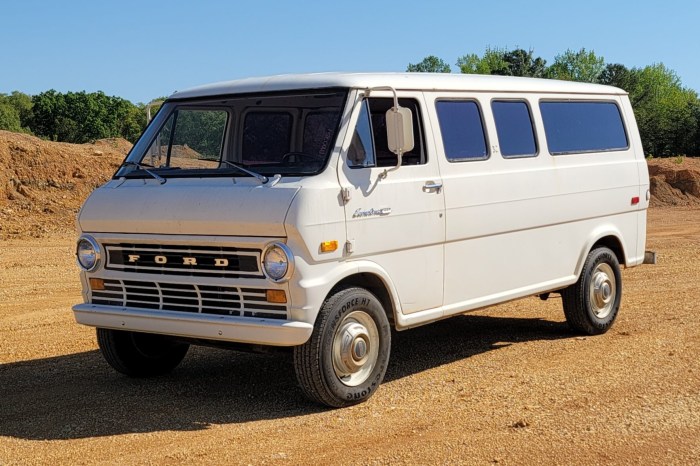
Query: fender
[317,286]
[596,235]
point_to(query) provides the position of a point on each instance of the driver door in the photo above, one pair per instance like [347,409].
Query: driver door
[395,218]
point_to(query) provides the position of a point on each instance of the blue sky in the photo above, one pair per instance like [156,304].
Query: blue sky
[145,49]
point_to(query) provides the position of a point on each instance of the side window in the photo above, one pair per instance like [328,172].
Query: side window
[267,136]
[516,136]
[462,130]
[361,152]
[190,139]
[576,127]
[369,146]
[386,158]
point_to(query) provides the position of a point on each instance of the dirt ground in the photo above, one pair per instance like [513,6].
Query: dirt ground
[508,385]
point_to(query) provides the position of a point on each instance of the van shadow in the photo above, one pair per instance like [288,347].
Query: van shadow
[80,396]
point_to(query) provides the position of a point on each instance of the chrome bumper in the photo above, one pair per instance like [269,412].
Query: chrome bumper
[211,327]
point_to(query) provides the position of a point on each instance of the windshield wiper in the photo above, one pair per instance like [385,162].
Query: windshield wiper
[261,178]
[144,167]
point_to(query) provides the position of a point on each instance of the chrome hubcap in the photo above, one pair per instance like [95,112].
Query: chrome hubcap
[355,348]
[602,290]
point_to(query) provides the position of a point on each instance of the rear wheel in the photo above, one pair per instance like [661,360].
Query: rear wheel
[592,303]
[140,354]
[346,357]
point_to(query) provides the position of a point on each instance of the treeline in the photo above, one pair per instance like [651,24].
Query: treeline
[76,117]
[667,113]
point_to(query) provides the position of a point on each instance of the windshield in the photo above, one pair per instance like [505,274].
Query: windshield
[267,134]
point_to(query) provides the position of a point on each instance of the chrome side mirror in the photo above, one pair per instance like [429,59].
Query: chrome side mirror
[399,130]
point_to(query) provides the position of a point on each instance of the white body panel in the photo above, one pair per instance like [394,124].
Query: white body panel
[521,225]
[210,206]
[498,229]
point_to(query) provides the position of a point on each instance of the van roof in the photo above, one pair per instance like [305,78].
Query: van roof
[404,81]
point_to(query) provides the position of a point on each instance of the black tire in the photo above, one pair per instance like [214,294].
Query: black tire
[592,303]
[140,354]
[342,364]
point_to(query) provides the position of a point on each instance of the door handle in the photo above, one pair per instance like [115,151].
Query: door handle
[432,186]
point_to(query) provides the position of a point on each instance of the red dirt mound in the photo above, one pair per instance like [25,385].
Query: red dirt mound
[675,181]
[43,183]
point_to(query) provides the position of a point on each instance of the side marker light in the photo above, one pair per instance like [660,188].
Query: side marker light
[329,246]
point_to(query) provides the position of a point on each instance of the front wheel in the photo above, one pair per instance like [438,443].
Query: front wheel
[346,357]
[591,304]
[140,354]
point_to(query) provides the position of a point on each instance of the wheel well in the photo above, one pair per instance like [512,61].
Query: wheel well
[373,284]
[612,243]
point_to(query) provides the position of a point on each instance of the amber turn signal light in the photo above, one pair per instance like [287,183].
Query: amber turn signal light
[329,246]
[97,284]
[276,296]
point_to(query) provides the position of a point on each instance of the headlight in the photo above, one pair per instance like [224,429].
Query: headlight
[88,253]
[278,262]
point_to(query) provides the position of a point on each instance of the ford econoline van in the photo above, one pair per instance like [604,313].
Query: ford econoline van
[317,212]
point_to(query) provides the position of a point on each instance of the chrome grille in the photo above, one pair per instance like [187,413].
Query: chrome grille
[184,260]
[205,299]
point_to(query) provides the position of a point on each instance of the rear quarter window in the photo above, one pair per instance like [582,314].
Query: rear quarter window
[576,127]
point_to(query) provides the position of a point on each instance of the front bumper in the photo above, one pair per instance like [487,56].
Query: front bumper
[257,331]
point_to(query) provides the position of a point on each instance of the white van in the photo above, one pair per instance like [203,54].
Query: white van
[319,211]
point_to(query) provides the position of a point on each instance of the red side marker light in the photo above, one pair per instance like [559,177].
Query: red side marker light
[635,200]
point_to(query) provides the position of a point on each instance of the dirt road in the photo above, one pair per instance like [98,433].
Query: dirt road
[508,385]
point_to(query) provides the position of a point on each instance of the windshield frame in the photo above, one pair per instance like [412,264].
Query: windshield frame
[233,134]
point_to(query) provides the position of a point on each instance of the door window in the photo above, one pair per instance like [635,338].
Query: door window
[361,152]
[369,146]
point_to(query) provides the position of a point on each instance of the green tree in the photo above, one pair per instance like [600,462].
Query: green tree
[22,103]
[516,62]
[80,117]
[522,63]
[583,66]
[16,112]
[47,107]
[9,117]
[129,120]
[430,64]
[616,74]
[666,112]
[492,62]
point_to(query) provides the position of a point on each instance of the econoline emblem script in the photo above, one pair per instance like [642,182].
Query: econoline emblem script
[372,212]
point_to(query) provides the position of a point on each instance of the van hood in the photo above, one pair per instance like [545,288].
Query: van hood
[188,206]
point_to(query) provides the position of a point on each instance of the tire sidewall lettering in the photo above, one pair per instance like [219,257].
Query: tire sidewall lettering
[364,390]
